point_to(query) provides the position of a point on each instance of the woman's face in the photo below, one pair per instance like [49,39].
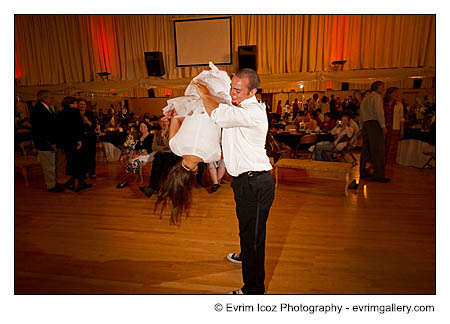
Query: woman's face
[143,128]
[396,95]
[82,106]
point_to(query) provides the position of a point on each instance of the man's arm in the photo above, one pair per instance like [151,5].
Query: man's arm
[209,101]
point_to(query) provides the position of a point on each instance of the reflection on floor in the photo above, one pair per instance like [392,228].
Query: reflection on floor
[378,240]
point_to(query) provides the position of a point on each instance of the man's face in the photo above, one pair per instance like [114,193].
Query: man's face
[239,90]
[49,101]
[345,120]
[380,89]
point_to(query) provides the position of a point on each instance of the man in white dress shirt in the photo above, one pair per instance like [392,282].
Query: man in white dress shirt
[373,130]
[244,133]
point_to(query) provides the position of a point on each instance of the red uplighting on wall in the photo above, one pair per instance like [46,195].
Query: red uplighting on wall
[329,84]
[167,92]
[126,94]
[103,40]
[17,69]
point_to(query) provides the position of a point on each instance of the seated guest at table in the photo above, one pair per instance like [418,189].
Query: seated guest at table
[356,139]
[310,123]
[300,118]
[101,118]
[89,141]
[343,133]
[163,160]
[142,152]
[393,115]
[328,122]
[316,116]
[124,117]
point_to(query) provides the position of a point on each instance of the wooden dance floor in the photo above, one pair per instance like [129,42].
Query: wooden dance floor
[378,240]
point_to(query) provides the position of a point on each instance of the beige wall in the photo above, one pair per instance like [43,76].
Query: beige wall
[153,106]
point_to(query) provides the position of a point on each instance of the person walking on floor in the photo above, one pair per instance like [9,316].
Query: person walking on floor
[373,131]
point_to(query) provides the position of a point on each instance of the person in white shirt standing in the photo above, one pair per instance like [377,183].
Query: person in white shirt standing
[245,126]
[373,130]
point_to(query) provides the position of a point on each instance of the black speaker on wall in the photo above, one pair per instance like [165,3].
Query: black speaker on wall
[155,63]
[417,83]
[247,57]
[151,93]
[345,86]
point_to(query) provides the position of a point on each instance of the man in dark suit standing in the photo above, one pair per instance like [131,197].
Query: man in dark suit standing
[43,121]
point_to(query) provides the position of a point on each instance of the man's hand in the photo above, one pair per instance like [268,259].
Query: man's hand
[201,89]
[78,145]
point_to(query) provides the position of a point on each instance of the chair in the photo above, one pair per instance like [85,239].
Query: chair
[432,157]
[341,155]
[275,150]
[27,147]
[301,151]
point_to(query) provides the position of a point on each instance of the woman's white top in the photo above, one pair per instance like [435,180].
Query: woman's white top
[398,116]
[197,136]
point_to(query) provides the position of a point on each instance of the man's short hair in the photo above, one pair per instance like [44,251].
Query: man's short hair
[375,85]
[327,114]
[43,94]
[68,101]
[347,114]
[253,78]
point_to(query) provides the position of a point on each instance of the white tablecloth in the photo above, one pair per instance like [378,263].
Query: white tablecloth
[410,153]
[112,152]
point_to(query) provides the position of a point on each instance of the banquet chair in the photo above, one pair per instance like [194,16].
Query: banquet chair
[432,157]
[306,141]
[275,149]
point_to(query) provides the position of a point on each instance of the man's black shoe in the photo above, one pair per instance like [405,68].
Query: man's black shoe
[82,186]
[122,185]
[69,185]
[382,180]
[147,191]
[56,188]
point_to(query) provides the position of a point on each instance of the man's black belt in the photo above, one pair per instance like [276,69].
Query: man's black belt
[251,174]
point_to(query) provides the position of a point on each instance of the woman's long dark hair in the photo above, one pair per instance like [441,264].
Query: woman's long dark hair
[177,189]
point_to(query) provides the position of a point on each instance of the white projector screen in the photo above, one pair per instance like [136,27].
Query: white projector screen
[199,41]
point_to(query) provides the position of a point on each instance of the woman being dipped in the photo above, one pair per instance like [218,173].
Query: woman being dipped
[195,138]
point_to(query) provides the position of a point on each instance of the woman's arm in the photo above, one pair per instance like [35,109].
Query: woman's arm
[175,123]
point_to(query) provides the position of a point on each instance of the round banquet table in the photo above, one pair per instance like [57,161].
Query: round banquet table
[292,140]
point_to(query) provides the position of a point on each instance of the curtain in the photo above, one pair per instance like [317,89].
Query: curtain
[65,49]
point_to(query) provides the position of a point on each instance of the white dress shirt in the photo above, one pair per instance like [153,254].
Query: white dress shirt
[244,131]
[372,109]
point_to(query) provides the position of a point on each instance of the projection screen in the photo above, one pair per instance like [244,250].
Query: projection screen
[198,41]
